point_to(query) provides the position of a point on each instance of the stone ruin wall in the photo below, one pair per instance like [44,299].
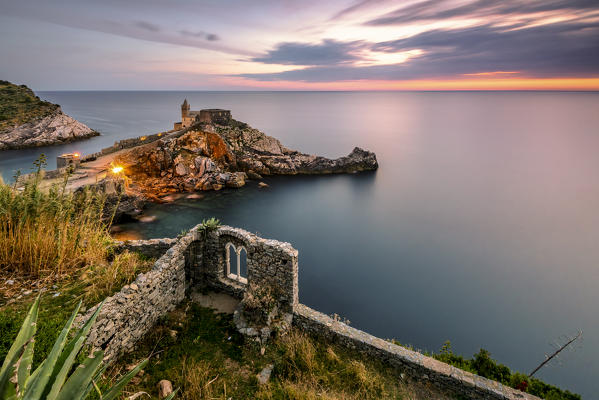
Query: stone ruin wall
[217,116]
[153,248]
[198,261]
[270,263]
[129,314]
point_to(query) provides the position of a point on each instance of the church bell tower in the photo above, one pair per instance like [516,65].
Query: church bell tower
[184,109]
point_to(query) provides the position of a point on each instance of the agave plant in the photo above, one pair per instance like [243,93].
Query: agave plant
[55,378]
[208,225]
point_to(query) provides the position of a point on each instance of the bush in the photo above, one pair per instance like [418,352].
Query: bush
[482,364]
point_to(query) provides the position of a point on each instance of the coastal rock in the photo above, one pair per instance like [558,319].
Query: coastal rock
[237,180]
[253,175]
[212,157]
[203,165]
[120,204]
[180,169]
[53,129]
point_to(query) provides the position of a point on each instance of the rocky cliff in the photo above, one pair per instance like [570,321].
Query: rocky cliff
[28,121]
[56,128]
[211,157]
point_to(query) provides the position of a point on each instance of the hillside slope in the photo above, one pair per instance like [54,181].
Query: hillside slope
[28,121]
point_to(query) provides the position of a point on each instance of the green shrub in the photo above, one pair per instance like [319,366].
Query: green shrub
[208,225]
[482,364]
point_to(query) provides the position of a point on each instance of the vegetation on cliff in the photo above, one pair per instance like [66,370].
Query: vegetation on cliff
[483,365]
[19,105]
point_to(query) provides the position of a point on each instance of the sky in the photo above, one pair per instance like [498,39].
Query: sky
[300,45]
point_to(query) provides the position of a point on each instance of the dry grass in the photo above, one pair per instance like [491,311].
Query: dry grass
[52,237]
[107,277]
[308,371]
[198,380]
[50,233]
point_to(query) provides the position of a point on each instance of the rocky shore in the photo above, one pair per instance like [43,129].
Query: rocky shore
[28,121]
[56,128]
[212,157]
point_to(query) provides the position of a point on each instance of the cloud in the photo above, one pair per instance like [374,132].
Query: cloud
[433,10]
[357,6]
[200,34]
[147,26]
[555,50]
[115,25]
[328,52]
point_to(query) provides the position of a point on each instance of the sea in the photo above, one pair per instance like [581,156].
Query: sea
[480,227]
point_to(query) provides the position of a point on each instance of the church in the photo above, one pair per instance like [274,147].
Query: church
[208,116]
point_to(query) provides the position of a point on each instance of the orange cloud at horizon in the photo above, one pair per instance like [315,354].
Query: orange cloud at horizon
[504,83]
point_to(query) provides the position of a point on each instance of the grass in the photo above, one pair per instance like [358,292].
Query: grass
[201,353]
[55,243]
[19,105]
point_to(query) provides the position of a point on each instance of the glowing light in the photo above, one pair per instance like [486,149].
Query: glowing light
[142,138]
[76,155]
[383,58]
[117,170]
[481,82]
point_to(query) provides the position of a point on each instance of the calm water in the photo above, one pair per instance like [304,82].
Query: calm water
[480,227]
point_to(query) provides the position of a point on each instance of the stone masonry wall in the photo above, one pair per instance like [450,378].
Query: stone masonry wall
[270,263]
[152,248]
[129,314]
[417,365]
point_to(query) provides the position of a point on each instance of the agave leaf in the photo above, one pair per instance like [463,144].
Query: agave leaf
[91,385]
[77,383]
[36,389]
[25,334]
[172,395]
[6,386]
[61,377]
[10,391]
[115,390]
[24,366]
[72,344]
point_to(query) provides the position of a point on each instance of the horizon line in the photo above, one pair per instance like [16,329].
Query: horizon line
[323,90]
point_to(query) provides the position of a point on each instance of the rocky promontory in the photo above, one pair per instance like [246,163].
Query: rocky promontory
[28,121]
[212,156]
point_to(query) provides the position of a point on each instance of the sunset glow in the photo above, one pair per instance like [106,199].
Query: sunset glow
[308,45]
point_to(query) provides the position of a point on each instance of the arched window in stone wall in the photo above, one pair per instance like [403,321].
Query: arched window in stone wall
[236,263]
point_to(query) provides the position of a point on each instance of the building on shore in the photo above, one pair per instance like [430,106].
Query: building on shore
[208,116]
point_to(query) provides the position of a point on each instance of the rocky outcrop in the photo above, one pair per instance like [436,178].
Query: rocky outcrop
[121,204]
[55,128]
[212,157]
